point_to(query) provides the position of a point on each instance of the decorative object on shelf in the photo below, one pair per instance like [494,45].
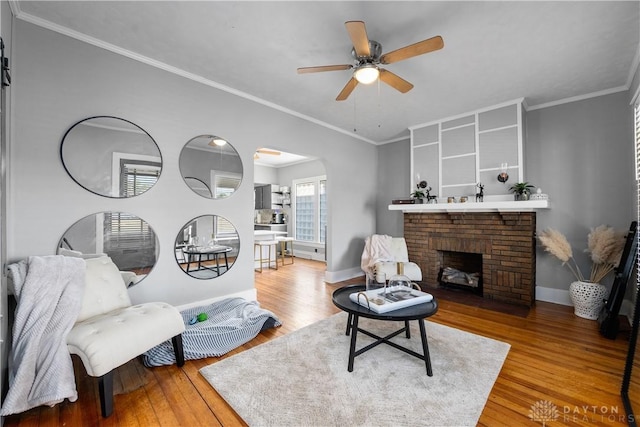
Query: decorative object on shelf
[403,201]
[480,193]
[521,190]
[605,246]
[451,199]
[539,195]
[588,299]
[503,176]
[422,190]
[463,199]
[418,195]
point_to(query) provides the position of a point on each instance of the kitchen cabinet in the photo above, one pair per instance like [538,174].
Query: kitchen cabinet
[262,197]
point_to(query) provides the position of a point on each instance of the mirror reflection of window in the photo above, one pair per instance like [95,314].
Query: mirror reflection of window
[209,161]
[97,151]
[136,176]
[127,239]
[207,246]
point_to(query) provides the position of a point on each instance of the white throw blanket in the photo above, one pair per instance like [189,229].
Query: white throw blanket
[49,293]
[376,248]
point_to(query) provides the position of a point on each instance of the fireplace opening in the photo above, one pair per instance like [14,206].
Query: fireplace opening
[461,270]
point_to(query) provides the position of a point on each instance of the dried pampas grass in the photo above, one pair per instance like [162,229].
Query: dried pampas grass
[557,244]
[604,244]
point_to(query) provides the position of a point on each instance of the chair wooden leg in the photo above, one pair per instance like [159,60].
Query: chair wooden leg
[178,349]
[105,387]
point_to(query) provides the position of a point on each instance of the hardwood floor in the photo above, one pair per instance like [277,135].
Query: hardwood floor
[556,359]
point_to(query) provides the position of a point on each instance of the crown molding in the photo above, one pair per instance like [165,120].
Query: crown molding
[579,98]
[174,70]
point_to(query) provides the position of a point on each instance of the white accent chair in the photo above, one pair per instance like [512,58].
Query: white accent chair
[110,331]
[399,253]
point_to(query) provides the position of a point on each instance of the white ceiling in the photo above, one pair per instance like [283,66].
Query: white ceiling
[494,52]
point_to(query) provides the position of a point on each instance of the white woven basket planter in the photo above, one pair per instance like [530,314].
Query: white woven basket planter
[588,299]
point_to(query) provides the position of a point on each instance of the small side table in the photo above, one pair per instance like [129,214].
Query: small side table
[415,312]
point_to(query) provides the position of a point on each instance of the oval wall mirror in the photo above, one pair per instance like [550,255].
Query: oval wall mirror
[211,167]
[127,239]
[111,157]
[207,246]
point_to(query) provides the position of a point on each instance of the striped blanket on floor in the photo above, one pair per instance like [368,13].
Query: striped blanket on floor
[230,323]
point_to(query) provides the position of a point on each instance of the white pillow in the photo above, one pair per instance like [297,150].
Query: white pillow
[78,254]
[104,291]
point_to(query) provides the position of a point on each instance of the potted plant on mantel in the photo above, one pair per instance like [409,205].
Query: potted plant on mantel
[521,190]
[605,246]
[419,196]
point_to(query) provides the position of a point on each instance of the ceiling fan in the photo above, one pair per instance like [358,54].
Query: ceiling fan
[265,151]
[368,57]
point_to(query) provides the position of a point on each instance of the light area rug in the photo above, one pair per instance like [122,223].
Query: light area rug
[301,379]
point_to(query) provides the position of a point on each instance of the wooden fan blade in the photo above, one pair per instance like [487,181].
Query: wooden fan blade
[395,81]
[322,68]
[358,34]
[420,48]
[348,88]
[267,151]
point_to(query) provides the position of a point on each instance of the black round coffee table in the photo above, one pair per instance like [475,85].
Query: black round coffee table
[415,312]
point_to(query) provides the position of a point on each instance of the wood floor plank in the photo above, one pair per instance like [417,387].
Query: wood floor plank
[555,357]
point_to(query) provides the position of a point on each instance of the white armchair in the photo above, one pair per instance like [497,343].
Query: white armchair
[383,254]
[110,331]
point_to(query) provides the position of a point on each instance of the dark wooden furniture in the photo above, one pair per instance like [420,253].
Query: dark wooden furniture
[416,312]
[196,255]
[608,318]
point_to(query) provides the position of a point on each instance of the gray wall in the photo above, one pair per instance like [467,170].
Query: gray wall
[59,80]
[392,182]
[582,155]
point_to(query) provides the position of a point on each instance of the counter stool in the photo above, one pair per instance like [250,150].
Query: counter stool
[283,249]
[260,244]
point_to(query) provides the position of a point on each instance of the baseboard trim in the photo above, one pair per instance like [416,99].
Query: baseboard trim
[339,276]
[315,256]
[556,296]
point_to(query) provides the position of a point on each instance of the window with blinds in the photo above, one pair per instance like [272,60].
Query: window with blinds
[137,177]
[224,227]
[225,185]
[123,231]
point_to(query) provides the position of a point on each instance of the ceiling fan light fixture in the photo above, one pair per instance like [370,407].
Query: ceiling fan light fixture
[218,142]
[366,74]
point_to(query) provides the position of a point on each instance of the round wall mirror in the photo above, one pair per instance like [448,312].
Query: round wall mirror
[127,239]
[111,157]
[211,167]
[207,246]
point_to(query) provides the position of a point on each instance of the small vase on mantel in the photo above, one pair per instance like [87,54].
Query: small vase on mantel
[588,299]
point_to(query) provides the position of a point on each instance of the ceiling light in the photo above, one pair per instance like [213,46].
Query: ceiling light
[366,74]
[219,142]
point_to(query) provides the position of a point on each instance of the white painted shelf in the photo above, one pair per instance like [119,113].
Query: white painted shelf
[495,206]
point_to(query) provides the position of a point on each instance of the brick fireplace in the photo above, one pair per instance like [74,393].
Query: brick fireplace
[505,240]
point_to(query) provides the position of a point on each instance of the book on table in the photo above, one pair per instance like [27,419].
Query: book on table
[390,298]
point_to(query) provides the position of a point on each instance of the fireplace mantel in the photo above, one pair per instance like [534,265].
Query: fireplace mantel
[489,206]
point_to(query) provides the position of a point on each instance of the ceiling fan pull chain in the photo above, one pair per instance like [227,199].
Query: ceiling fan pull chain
[354,115]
